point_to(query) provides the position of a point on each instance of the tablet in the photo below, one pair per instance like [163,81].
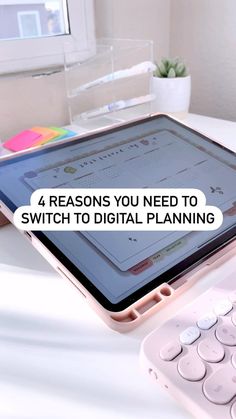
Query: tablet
[119,268]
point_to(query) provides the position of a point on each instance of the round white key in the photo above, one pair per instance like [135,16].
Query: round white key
[207,321]
[234,360]
[191,367]
[223,307]
[211,350]
[234,318]
[232,296]
[189,335]
[226,334]
[233,411]
[170,351]
[220,387]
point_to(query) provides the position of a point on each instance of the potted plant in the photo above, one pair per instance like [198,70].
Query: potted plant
[172,87]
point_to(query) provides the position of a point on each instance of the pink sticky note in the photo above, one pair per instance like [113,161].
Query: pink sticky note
[25,139]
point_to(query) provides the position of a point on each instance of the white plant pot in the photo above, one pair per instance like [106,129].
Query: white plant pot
[172,94]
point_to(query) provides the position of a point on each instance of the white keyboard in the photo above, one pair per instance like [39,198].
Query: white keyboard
[193,355]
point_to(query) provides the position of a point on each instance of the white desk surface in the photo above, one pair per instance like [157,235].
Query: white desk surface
[57,358]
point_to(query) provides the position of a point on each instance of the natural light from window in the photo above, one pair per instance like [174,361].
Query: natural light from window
[25,19]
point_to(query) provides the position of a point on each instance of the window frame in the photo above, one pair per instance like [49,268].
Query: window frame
[45,52]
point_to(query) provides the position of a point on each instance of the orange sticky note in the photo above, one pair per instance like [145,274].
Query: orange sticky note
[25,139]
[47,134]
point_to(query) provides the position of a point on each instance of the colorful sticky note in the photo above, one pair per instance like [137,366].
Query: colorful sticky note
[47,134]
[25,139]
[60,131]
[68,135]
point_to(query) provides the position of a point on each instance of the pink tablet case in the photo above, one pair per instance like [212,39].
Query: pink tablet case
[3,219]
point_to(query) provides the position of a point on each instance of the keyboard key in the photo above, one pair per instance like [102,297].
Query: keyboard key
[211,350]
[233,411]
[189,335]
[191,367]
[220,387]
[234,318]
[207,321]
[234,360]
[232,297]
[223,307]
[170,351]
[226,334]
[205,371]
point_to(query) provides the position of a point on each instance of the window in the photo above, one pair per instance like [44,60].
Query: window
[33,18]
[38,30]
[29,24]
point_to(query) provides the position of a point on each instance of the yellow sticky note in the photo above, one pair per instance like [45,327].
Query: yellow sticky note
[47,134]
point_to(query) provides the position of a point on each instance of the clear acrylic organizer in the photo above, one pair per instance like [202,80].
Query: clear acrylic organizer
[113,84]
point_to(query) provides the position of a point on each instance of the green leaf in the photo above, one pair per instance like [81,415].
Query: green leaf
[162,69]
[165,61]
[171,64]
[185,73]
[180,69]
[171,68]
[157,72]
[171,73]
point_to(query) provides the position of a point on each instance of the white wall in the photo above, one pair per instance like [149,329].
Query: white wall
[203,32]
[138,19]
[27,102]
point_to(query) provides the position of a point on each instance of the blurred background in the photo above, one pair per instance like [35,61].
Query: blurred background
[202,32]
